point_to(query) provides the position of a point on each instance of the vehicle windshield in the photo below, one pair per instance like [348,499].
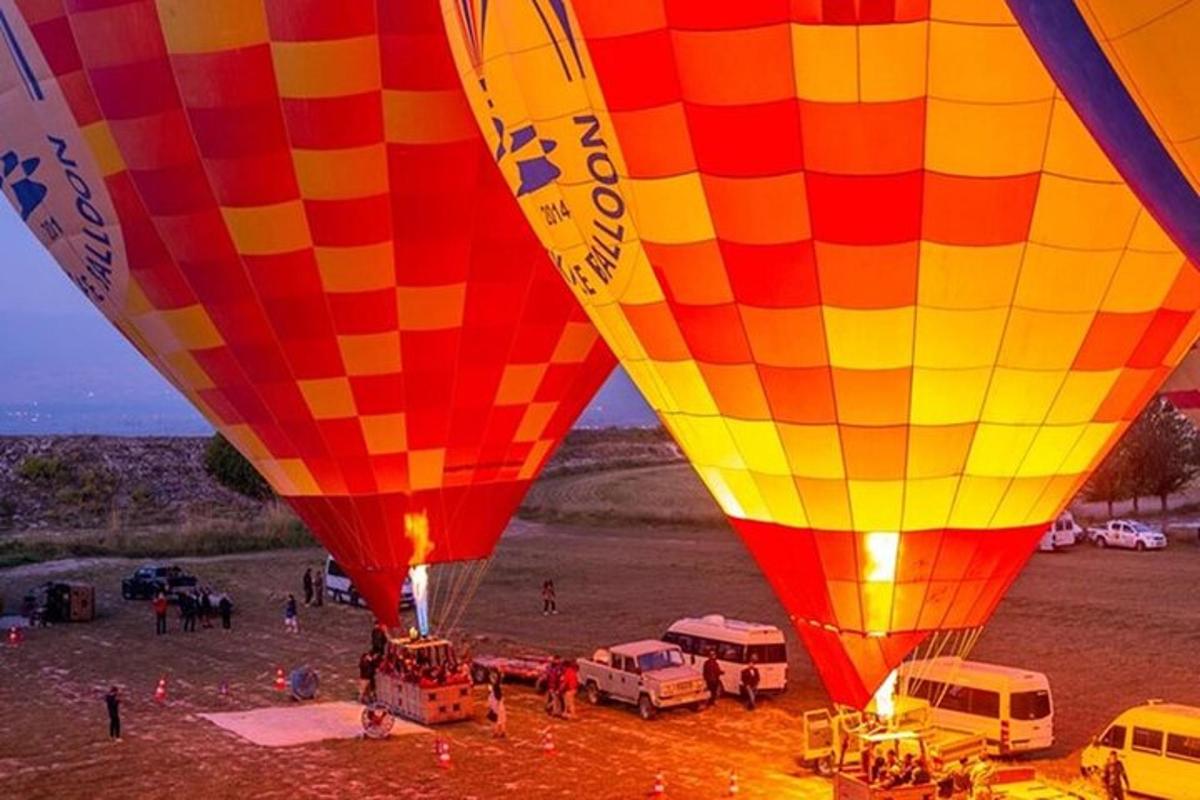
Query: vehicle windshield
[659,659]
[1031,705]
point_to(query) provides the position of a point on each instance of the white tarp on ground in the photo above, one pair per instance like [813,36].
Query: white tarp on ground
[288,726]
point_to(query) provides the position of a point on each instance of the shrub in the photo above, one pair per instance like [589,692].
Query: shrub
[44,471]
[232,470]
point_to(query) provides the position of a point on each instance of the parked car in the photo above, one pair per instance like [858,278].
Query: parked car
[1159,744]
[1063,532]
[340,589]
[734,643]
[649,674]
[150,579]
[1129,534]
[529,669]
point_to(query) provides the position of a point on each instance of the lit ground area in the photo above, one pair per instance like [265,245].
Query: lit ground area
[1109,628]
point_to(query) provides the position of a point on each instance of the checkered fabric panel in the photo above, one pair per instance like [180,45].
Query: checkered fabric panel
[325,261]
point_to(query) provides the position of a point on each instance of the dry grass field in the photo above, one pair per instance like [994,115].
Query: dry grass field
[1109,628]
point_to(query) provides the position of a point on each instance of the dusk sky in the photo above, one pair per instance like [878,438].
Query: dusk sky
[66,370]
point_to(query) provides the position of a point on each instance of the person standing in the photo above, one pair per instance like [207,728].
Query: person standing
[187,608]
[308,586]
[112,701]
[1115,781]
[291,619]
[159,604]
[570,687]
[496,711]
[366,674]
[750,679]
[712,677]
[549,598]
[225,607]
[319,588]
[554,687]
[206,607]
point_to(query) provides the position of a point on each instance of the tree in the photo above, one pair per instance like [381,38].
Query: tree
[1162,451]
[1110,482]
[232,470]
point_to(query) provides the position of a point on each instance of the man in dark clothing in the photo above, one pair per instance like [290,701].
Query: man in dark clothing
[187,607]
[366,676]
[712,677]
[549,598]
[378,638]
[160,613]
[206,608]
[308,586]
[319,588]
[750,679]
[1114,779]
[226,609]
[113,702]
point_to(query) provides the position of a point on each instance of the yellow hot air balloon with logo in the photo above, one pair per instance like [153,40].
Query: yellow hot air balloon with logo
[865,262]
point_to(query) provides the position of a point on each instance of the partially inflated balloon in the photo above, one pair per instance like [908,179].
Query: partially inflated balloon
[286,205]
[869,268]
[1129,69]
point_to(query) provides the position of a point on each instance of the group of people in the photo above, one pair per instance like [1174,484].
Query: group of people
[562,685]
[891,771]
[748,680]
[194,604]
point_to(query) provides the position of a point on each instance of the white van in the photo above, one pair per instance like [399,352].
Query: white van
[1063,532]
[1159,743]
[1012,707]
[734,642]
[340,589]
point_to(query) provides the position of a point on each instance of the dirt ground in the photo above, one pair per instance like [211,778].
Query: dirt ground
[1111,629]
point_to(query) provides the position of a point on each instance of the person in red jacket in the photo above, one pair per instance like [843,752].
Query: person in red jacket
[159,604]
[569,685]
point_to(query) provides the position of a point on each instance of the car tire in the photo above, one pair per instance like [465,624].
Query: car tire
[479,675]
[1140,546]
[646,708]
[593,694]
[824,766]
[1101,542]
[126,594]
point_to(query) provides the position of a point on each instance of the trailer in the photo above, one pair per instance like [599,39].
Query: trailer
[836,741]
[1008,783]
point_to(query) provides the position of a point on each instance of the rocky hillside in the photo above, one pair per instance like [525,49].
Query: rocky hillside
[122,482]
[109,481]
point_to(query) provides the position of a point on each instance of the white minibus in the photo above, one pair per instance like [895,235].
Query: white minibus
[1012,707]
[734,643]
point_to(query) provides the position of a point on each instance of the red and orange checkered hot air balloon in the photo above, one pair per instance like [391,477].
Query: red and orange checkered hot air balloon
[287,207]
[864,261]
[1183,387]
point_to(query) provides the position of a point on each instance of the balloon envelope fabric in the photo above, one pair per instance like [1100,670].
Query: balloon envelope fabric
[864,261]
[1129,71]
[287,207]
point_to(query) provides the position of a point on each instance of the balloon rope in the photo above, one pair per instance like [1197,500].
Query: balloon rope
[477,579]
[460,570]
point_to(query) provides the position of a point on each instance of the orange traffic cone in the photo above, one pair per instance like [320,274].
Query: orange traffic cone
[733,784]
[160,691]
[659,789]
[441,749]
[548,743]
[280,683]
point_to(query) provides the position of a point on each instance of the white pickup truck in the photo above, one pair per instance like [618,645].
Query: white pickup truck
[1129,534]
[649,674]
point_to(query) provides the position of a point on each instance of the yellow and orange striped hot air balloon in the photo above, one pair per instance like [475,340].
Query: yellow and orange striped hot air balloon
[864,261]
[287,207]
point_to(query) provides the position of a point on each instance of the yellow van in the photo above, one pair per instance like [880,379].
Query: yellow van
[1159,743]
